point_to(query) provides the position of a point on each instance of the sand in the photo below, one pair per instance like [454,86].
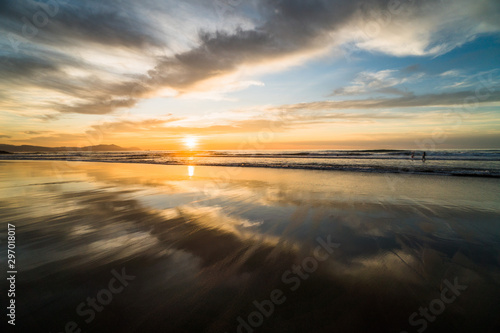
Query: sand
[219,249]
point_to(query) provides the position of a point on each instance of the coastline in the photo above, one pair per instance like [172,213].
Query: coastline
[216,240]
[405,167]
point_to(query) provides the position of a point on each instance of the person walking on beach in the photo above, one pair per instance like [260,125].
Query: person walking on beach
[423,157]
[412,155]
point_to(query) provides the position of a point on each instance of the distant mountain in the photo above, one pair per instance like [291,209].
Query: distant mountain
[29,149]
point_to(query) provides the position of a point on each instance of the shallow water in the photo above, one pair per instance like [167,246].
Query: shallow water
[204,245]
[481,163]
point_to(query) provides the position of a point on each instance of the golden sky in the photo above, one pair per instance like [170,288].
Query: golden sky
[257,74]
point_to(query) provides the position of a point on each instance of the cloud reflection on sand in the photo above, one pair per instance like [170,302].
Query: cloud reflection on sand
[201,257]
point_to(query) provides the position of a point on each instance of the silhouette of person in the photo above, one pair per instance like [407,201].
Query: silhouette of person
[412,154]
[423,157]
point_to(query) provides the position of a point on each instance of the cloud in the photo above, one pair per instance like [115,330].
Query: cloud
[100,40]
[397,82]
[168,127]
[57,139]
[384,81]
[3,136]
[50,117]
[13,67]
[102,105]
[411,69]
[127,126]
[420,28]
[267,119]
[66,23]
[398,140]
[452,73]
[454,79]
[462,98]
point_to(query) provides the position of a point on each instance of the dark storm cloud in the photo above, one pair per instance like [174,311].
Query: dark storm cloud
[46,72]
[282,28]
[45,69]
[25,66]
[37,33]
[55,22]
[287,27]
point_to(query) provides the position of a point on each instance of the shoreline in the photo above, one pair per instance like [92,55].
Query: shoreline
[187,233]
[396,171]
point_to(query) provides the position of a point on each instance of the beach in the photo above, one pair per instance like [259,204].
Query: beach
[231,166]
[451,162]
[107,247]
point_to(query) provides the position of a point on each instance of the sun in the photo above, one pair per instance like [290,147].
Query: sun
[190,142]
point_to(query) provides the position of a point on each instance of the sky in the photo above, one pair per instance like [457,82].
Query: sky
[251,74]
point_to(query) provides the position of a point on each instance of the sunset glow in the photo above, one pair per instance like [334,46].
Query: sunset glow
[250,165]
[252,75]
[190,142]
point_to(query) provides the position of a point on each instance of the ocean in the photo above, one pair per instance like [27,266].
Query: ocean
[456,162]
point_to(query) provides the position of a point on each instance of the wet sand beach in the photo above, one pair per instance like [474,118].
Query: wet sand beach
[104,247]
